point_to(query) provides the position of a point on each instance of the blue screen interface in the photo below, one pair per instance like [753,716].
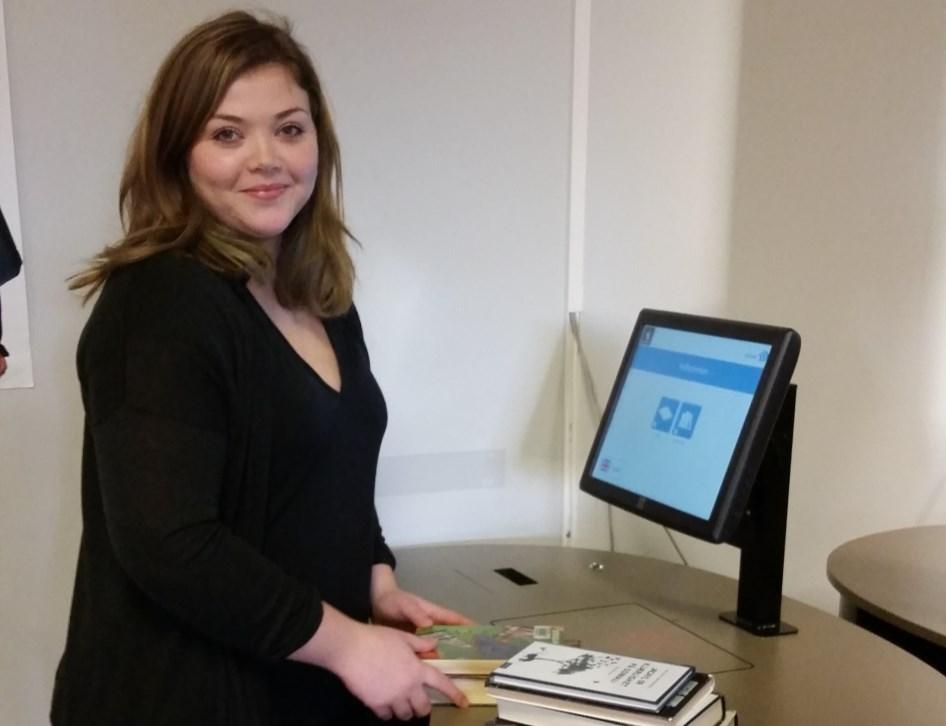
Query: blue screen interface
[679,413]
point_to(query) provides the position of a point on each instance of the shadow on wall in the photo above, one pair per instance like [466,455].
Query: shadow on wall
[835,232]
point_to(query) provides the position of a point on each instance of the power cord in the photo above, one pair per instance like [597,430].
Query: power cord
[574,324]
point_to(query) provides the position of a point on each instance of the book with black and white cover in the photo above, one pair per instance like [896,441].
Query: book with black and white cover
[594,676]
[689,702]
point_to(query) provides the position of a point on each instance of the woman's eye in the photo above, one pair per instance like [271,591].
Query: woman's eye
[292,130]
[225,135]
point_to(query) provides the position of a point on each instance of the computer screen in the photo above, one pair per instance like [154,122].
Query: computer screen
[688,420]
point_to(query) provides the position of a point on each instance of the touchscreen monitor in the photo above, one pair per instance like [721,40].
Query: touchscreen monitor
[688,419]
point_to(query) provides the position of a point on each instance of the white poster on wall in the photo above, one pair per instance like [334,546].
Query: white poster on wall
[16,366]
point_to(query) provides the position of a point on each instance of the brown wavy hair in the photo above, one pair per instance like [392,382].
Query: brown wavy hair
[160,210]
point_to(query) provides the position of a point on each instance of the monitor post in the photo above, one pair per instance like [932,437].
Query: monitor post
[761,535]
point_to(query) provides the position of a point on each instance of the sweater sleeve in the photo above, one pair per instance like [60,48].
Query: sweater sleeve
[382,553]
[158,407]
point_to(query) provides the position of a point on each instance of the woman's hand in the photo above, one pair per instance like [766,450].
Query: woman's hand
[379,665]
[390,605]
[384,672]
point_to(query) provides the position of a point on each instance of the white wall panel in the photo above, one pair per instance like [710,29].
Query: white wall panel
[663,99]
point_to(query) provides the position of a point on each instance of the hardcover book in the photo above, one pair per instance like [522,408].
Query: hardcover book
[592,676]
[695,703]
[730,719]
[713,714]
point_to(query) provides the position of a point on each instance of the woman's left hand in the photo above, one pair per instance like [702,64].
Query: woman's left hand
[398,608]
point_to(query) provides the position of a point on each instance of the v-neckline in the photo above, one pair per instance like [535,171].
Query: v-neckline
[284,341]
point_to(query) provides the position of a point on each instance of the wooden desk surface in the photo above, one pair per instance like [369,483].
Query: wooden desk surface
[831,672]
[897,576]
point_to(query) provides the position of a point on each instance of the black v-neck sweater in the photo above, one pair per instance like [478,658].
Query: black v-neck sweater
[226,492]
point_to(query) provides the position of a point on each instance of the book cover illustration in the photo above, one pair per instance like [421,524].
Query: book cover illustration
[594,675]
[485,642]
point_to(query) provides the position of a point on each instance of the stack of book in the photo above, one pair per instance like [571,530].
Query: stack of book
[731,719]
[469,653]
[555,685]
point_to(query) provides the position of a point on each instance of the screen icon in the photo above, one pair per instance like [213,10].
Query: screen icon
[686,420]
[666,412]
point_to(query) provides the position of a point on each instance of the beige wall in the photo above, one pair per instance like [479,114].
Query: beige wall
[827,216]
[837,229]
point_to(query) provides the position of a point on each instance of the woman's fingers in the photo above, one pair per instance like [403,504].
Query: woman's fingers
[440,682]
[383,712]
[415,612]
[445,616]
[403,710]
[420,702]
[420,643]
[440,614]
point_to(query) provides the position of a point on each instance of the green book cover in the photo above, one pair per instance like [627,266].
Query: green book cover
[478,649]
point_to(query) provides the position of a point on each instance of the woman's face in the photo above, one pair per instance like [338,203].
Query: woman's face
[255,162]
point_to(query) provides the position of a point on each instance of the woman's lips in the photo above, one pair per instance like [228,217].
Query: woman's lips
[266,191]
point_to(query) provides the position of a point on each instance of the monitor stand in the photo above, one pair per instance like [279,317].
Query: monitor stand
[761,535]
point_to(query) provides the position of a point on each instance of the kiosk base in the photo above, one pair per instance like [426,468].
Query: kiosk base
[761,629]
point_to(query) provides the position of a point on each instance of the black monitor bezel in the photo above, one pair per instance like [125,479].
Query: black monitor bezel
[750,447]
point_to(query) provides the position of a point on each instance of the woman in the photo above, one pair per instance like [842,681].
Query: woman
[231,558]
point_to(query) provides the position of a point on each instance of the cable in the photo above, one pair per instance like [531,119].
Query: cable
[574,324]
[673,541]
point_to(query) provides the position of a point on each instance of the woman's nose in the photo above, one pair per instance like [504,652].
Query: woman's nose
[265,155]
